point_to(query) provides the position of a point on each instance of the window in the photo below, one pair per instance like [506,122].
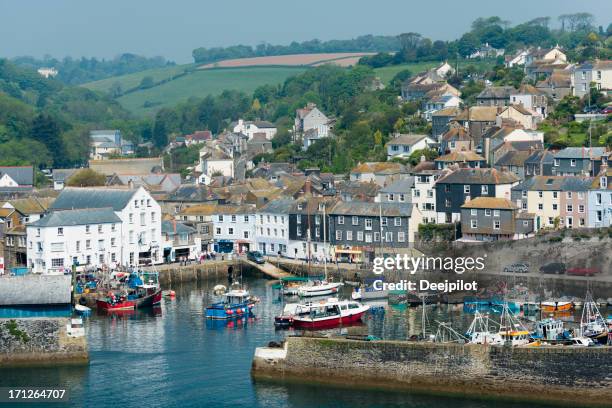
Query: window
[368,237]
[551,221]
[57,262]
[299,231]
[220,217]
[233,218]
[153,217]
[390,197]
[78,246]
[473,212]
[524,205]
[474,224]
[359,235]
[143,221]
[555,194]
[38,232]
[101,258]
[556,163]
[101,245]
[246,234]
[488,212]
[401,236]
[230,231]
[317,232]
[300,206]
[429,193]
[524,193]
[484,190]
[466,189]
[131,218]
[416,193]
[338,235]
[87,229]
[88,244]
[581,209]
[341,220]
[402,198]
[261,219]
[581,195]
[368,224]
[148,202]
[389,237]
[384,221]
[275,219]
[113,227]
[540,206]
[447,203]
[598,216]
[355,220]
[604,182]
[376,236]
[218,231]
[496,213]
[113,242]
[598,74]
[136,203]
[298,219]
[540,194]
[570,208]
[573,162]
[525,223]
[55,246]
[447,188]
[349,235]
[554,207]
[268,231]
[496,224]
[60,231]
[569,194]
[397,222]
[317,220]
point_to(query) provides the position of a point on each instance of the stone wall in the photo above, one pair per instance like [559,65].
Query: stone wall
[36,342]
[578,376]
[170,274]
[33,289]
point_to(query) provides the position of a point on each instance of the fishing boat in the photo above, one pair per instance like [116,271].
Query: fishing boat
[237,303]
[331,314]
[592,323]
[146,295]
[113,302]
[318,288]
[291,310]
[483,330]
[512,331]
[556,306]
[551,330]
[497,305]
[289,285]
[367,292]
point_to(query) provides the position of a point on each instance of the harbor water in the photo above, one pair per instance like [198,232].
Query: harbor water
[172,356]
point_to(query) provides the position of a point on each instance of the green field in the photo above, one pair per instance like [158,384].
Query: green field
[130,81]
[386,74]
[202,83]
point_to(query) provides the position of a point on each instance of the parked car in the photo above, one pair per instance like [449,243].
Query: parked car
[256,256]
[583,271]
[553,268]
[607,110]
[517,268]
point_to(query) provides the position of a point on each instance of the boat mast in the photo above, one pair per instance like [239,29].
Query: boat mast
[308,233]
[324,242]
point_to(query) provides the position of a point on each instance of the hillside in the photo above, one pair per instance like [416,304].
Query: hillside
[195,84]
[340,59]
[130,81]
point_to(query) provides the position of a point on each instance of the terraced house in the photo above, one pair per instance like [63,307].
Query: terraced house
[362,230]
[309,228]
[573,161]
[556,201]
[600,200]
[494,219]
[462,185]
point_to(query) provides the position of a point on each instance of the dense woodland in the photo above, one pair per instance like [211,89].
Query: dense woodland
[46,122]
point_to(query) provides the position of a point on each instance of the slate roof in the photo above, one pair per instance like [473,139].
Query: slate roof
[66,218]
[74,198]
[456,134]
[490,202]
[192,193]
[540,156]
[175,228]
[450,111]
[514,158]
[22,175]
[497,92]
[581,153]
[372,209]
[479,176]
[399,186]
[408,139]
[127,166]
[460,156]
[63,174]
[555,183]
[282,206]
[32,205]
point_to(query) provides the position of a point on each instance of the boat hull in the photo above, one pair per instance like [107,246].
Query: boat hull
[119,306]
[220,311]
[327,322]
[149,300]
[556,307]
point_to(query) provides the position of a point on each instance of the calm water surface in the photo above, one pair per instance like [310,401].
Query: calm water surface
[173,357]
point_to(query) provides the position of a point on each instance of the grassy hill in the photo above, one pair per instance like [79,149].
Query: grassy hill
[196,83]
[130,81]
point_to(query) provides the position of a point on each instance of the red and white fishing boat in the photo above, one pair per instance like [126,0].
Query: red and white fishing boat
[115,303]
[331,313]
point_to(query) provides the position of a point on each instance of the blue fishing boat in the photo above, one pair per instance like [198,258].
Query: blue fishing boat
[497,306]
[237,303]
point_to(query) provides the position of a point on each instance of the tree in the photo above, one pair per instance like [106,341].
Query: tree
[86,178]
[378,138]
[467,44]
[46,130]
[160,134]
[115,90]
[146,82]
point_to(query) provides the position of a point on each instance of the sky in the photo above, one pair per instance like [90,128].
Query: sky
[173,28]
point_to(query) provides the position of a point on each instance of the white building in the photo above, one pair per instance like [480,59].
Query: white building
[251,128]
[81,237]
[314,134]
[215,163]
[597,72]
[405,145]
[423,194]
[309,117]
[140,217]
[272,227]
[108,143]
[234,229]
[47,72]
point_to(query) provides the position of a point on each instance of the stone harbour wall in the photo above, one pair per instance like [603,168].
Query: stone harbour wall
[573,376]
[39,342]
